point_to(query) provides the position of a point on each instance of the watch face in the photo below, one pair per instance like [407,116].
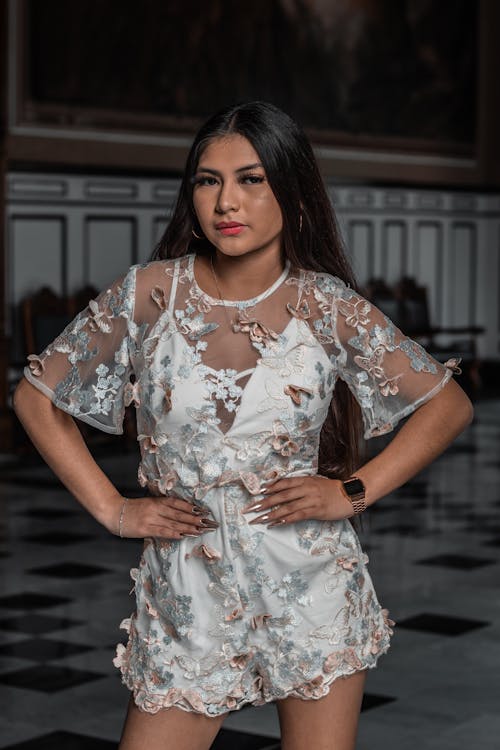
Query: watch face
[354,486]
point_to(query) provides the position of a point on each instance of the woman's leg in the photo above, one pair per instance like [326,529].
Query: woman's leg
[327,723]
[169,729]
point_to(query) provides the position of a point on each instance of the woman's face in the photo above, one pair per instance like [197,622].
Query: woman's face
[230,187]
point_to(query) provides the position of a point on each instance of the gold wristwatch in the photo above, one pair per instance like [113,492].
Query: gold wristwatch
[354,490]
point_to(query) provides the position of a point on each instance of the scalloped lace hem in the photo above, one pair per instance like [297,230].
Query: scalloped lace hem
[190,700]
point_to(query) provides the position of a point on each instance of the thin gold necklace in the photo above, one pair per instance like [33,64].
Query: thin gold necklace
[220,293]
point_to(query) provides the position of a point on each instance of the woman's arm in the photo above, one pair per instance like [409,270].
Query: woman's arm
[424,436]
[57,438]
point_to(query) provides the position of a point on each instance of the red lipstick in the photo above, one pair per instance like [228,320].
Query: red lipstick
[230,227]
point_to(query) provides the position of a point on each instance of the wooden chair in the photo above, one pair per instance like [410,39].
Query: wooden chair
[44,315]
[383,297]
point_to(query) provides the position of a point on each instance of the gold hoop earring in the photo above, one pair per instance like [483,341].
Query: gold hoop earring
[300,223]
[197,237]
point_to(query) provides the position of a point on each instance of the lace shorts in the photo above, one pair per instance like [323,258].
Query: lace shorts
[202,645]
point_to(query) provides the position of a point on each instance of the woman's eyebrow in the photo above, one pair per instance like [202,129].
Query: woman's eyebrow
[240,169]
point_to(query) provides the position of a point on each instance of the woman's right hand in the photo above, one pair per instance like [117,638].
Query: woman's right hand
[167,517]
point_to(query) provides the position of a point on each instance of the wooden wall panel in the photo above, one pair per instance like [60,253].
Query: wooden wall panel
[427,264]
[488,282]
[37,254]
[37,257]
[394,251]
[462,270]
[361,247]
[110,244]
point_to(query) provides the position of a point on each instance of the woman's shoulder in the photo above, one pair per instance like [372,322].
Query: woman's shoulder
[153,284]
[326,282]
[158,272]
[159,265]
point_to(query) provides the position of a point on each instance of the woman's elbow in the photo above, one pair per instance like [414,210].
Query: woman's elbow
[467,411]
[18,395]
[461,406]
[26,397]
[453,409]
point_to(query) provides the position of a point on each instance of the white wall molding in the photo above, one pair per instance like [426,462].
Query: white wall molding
[70,230]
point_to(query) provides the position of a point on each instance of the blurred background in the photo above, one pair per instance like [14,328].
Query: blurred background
[99,102]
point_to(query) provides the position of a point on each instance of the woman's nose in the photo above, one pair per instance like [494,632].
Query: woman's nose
[227,199]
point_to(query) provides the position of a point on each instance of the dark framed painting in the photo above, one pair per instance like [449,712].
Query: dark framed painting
[367,79]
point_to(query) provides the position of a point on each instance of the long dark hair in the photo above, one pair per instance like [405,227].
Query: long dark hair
[294,177]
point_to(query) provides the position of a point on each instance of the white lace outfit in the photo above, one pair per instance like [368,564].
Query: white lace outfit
[245,613]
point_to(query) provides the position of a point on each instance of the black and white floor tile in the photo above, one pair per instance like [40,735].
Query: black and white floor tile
[434,550]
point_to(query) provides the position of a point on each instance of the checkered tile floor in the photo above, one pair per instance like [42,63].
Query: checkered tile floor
[434,550]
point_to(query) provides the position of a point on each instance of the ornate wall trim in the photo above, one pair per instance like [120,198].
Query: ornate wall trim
[449,241]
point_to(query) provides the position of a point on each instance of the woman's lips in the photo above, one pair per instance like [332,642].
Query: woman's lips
[231,230]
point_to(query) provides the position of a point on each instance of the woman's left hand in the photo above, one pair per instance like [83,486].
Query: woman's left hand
[299,498]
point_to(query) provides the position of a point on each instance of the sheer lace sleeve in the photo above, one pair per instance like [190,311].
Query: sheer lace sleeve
[86,369]
[389,374]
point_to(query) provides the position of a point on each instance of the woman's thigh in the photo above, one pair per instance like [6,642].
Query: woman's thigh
[169,729]
[327,723]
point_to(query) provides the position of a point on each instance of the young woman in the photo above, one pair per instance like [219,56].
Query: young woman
[254,361]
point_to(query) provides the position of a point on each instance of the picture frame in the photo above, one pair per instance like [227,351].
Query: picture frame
[71,129]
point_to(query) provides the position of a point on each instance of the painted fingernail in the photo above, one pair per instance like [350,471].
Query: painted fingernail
[205,531]
[261,519]
[257,506]
[209,523]
[184,533]
[276,523]
[199,511]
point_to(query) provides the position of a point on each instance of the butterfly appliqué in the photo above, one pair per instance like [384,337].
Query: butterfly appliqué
[355,313]
[288,364]
[99,320]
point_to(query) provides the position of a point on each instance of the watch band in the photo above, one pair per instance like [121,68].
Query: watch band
[354,490]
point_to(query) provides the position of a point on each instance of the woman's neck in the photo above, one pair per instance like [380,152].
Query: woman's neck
[243,276]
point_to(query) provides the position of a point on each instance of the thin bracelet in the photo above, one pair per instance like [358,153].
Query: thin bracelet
[121,517]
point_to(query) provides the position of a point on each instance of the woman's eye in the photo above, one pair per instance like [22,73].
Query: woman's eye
[205,181]
[253,178]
